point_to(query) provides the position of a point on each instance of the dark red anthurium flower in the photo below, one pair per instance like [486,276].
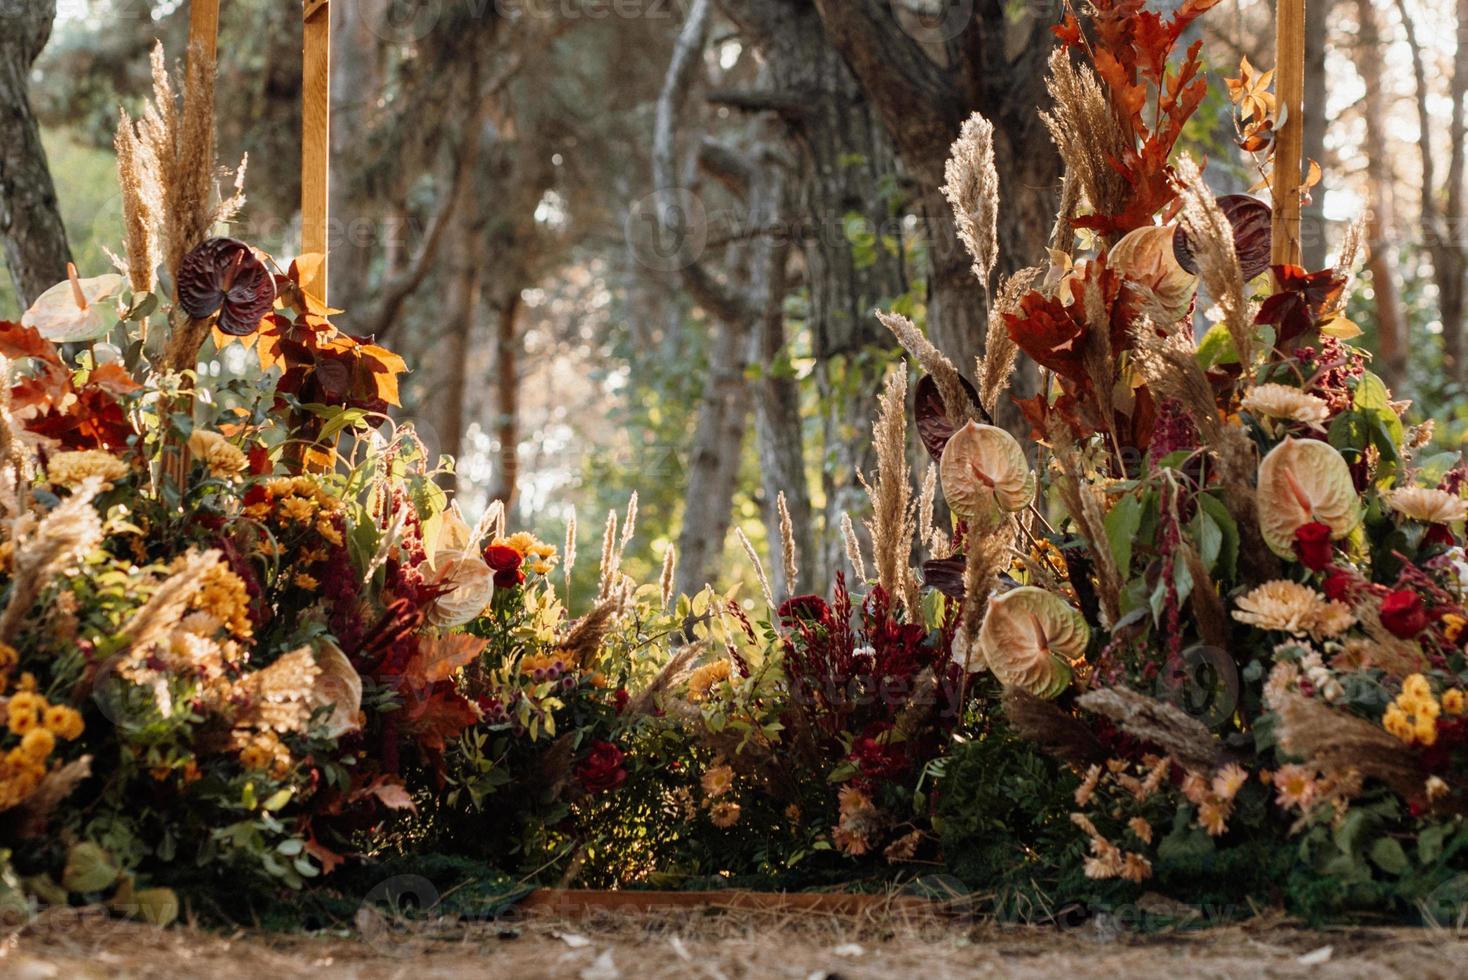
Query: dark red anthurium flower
[1313,547]
[223,276]
[1250,218]
[1403,613]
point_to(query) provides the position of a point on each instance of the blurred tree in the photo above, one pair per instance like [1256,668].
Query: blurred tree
[1380,220]
[36,253]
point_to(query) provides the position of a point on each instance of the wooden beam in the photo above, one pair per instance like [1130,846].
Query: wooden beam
[204,27]
[315,135]
[1289,80]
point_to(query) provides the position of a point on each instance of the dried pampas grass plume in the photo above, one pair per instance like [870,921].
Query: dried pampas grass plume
[584,637]
[759,567]
[1336,742]
[787,543]
[1212,238]
[169,601]
[1165,725]
[568,552]
[46,548]
[1057,731]
[1086,133]
[950,387]
[852,545]
[891,524]
[996,367]
[665,581]
[971,184]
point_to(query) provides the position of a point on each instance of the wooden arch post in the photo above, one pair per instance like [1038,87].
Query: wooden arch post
[315,137]
[1289,80]
[315,116]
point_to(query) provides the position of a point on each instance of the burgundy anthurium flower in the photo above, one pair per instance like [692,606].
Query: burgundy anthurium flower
[223,276]
[1250,218]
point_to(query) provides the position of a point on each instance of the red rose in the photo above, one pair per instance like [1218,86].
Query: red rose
[1403,614]
[506,564]
[1313,547]
[601,770]
[1339,585]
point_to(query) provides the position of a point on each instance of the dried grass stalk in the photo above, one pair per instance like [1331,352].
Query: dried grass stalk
[759,567]
[1212,238]
[984,558]
[1057,731]
[677,666]
[46,548]
[891,524]
[584,637]
[1086,133]
[1161,724]
[1336,742]
[166,606]
[950,388]
[996,367]
[852,545]
[787,543]
[568,552]
[608,556]
[665,581]
[971,184]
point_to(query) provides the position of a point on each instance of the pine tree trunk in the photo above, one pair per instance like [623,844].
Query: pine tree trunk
[507,398]
[462,314]
[31,230]
[1447,251]
[1391,355]
[1312,220]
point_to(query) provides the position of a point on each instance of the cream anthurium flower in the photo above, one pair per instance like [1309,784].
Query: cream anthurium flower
[1429,505]
[72,310]
[1030,639]
[985,475]
[1303,481]
[1145,255]
[461,570]
[337,684]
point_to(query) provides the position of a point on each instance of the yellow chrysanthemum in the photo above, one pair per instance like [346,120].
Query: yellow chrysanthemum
[1289,607]
[70,469]
[223,458]
[701,682]
[37,744]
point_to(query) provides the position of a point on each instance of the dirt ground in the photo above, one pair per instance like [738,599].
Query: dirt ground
[722,946]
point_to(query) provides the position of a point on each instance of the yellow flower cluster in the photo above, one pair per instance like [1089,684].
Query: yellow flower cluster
[70,469]
[702,681]
[264,750]
[296,502]
[8,661]
[223,596]
[1412,717]
[38,724]
[539,557]
[223,458]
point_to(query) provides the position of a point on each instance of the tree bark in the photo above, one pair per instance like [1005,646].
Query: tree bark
[1447,239]
[507,397]
[1391,354]
[463,316]
[923,105]
[1312,220]
[31,230]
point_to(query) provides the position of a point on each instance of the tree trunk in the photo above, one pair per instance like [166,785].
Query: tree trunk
[714,457]
[1391,360]
[1312,220]
[1447,248]
[846,159]
[360,230]
[462,315]
[31,231]
[507,397]
[923,105]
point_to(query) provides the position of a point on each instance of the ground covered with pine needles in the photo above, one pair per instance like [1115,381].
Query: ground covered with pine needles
[716,944]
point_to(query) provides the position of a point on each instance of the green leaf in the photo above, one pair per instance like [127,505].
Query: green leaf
[1121,530]
[1217,347]
[1387,854]
[89,868]
[1228,549]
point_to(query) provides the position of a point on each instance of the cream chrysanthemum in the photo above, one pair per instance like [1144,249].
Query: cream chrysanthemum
[1277,401]
[1428,505]
[70,469]
[1293,608]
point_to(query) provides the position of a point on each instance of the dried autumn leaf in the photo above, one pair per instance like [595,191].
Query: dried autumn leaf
[337,684]
[1303,481]
[73,310]
[985,475]
[1031,638]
